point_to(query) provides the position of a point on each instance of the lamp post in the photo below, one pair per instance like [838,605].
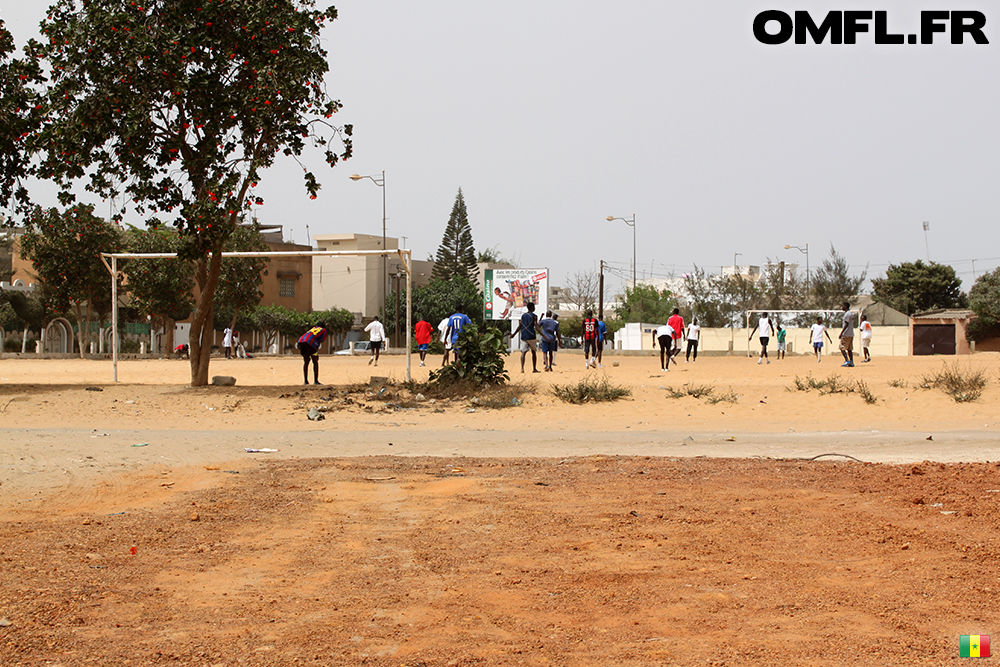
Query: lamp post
[804,251]
[385,274]
[630,223]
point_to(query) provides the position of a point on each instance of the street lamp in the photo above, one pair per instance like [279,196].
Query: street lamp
[630,223]
[381,183]
[804,251]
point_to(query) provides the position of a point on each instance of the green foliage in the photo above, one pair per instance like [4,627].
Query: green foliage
[456,256]
[645,303]
[710,298]
[984,299]
[492,256]
[64,249]
[481,356]
[282,320]
[911,287]
[436,300]
[572,326]
[590,390]
[20,113]
[339,322]
[160,287]
[240,278]
[832,283]
[8,318]
[179,106]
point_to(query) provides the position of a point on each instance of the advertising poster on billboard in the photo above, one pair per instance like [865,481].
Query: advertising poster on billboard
[508,291]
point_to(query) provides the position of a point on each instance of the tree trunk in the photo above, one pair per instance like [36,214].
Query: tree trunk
[207,276]
[79,330]
[24,340]
[168,337]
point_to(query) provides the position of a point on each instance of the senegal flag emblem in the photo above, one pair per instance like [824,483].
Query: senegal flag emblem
[974,646]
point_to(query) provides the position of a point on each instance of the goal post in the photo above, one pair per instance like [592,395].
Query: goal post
[404,254]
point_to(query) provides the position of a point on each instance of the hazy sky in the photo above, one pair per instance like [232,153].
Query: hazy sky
[552,115]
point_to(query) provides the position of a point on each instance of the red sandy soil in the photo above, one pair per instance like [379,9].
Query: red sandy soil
[609,559]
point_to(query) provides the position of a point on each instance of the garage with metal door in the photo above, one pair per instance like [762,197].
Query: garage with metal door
[940,332]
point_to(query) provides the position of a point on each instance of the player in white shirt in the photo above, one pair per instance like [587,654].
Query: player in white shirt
[818,330]
[766,328]
[866,337]
[694,331]
[376,334]
[664,336]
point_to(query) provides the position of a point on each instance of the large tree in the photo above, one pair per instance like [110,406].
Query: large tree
[65,252]
[984,299]
[709,298]
[911,287]
[456,255]
[645,303]
[162,288]
[177,106]
[833,283]
[20,113]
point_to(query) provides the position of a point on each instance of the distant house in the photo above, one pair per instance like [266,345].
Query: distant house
[940,331]
[879,314]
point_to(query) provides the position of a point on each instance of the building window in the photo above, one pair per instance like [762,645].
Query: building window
[286,287]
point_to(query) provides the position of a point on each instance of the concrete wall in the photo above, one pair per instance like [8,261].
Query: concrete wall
[886,341]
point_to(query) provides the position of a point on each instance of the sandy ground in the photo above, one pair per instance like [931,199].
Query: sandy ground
[397,531]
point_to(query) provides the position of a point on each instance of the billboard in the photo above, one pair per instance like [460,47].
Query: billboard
[508,291]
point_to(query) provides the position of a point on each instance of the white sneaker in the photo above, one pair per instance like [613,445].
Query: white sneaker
[760,361]
[600,365]
[370,360]
[421,363]
[768,361]
[376,363]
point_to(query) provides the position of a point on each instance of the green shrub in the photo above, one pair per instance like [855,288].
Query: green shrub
[590,390]
[480,359]
[964,386]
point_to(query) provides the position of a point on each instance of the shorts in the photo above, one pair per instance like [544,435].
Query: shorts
[376,345]
[306,349]
[589,346]
[423,347]
[781,346]
[818,346]
[666,342]
[548,346]
[763,340]
[865,342]
[847,343]
[530,344]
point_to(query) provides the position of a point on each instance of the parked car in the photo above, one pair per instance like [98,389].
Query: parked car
[359,346]
[571,343]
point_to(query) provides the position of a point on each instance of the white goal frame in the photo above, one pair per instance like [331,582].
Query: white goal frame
[404,254]
[801,311]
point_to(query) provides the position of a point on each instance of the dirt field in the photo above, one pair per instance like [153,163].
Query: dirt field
[135,529]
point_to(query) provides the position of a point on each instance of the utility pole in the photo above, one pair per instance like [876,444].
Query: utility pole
[600,292]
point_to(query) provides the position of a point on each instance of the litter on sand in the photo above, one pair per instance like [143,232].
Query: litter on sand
[248,450]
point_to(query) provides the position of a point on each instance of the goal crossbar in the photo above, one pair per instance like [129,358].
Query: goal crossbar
[404,254]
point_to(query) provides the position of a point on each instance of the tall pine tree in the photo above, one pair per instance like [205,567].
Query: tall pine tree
[456,256]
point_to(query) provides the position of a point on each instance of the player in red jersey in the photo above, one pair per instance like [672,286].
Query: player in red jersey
[590,326]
